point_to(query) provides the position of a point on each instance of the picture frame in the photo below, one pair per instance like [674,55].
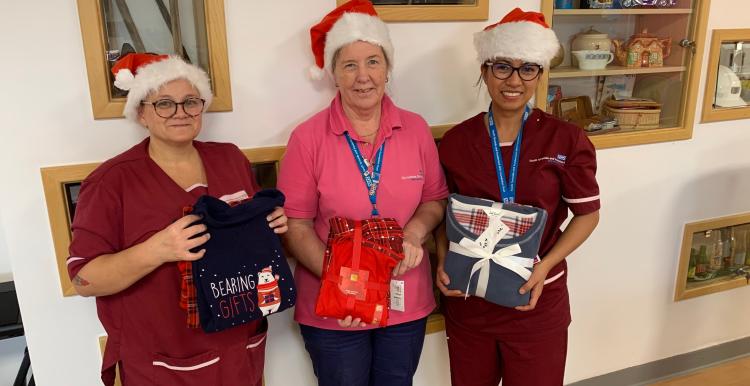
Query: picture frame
[60,193]
[728,70]
[714,256]
[430,10]
[209,27]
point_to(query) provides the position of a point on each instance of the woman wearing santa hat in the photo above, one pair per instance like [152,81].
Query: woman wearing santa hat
[130,233]
[321,178]
[551,165]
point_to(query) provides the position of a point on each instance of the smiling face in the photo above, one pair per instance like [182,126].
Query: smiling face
[181,128]
[511,94]
[360,70]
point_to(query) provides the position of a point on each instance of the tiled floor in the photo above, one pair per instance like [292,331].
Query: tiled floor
[735,373]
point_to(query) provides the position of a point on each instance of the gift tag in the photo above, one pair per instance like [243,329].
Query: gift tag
[397,295]
[353,282]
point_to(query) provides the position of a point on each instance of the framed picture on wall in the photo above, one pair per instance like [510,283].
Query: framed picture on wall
[192,29]
[715,256]
[62,186]
[430,10]
[727,94]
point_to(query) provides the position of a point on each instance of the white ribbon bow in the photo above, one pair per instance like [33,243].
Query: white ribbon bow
[482,250]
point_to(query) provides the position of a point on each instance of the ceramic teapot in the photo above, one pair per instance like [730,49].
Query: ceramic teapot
[589,39]
[642,50]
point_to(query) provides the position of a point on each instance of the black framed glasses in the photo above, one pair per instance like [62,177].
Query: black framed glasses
[167,108]
[502,71]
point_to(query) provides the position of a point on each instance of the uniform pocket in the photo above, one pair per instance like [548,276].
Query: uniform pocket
[199,370]
[256,354]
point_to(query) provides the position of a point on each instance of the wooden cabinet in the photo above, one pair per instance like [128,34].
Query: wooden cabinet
[674,84]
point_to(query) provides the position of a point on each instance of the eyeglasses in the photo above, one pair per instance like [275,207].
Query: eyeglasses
[167,108]
[527,71]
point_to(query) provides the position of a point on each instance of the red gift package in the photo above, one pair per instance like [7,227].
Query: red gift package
[359,259]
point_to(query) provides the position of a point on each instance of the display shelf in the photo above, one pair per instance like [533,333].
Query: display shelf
[639,11]
[572,72]
[674,85]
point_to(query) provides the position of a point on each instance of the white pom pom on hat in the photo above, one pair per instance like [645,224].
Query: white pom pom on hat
[141,74]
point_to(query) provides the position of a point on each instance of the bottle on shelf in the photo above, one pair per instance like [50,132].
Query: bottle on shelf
[727,243]
[692,265]
[717,253]
[739,248]
[703,263]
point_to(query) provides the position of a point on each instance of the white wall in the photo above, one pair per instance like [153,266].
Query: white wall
[622,280]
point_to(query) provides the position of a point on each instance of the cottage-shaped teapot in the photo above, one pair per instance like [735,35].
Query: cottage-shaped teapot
[642,50]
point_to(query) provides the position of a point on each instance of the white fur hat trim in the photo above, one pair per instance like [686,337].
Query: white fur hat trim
[151,77]
[523,40]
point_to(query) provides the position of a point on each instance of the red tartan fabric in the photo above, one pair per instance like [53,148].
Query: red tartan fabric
[188,297]
[476,221]
[357,269]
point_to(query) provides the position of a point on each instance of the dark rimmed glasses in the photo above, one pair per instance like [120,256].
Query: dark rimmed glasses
[502,71]
[167,108]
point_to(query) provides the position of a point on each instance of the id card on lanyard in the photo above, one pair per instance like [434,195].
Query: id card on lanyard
[507,188]
[371,179]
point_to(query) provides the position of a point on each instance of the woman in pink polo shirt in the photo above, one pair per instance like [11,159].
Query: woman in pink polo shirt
[549,164]
[321,179]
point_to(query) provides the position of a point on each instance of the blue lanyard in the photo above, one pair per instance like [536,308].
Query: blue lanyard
[507,191]
[372,180]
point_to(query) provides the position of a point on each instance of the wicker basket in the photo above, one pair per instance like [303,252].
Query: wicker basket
[630,116]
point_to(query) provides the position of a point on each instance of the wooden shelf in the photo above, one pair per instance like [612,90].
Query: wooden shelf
[573,72]
[636,11]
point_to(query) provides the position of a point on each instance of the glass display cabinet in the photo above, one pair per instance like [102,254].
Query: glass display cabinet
[634,64]
[715,256]
[728,81]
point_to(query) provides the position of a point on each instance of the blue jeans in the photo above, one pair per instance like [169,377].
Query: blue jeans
[385,356]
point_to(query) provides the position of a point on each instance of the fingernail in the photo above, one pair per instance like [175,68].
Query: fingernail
[208,235]
[521,291]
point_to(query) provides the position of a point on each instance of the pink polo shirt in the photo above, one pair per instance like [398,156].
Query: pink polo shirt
[320,179]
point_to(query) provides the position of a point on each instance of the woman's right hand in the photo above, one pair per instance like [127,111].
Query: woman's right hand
[350,322]
[442,280]
[174,242]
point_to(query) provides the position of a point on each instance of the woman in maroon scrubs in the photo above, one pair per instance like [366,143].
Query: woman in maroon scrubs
[130,233]
[544,162]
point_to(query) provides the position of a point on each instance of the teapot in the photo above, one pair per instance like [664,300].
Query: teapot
[590,39]
[642,50]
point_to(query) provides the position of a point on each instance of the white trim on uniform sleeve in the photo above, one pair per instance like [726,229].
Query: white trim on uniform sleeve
[580,200]
[72,259]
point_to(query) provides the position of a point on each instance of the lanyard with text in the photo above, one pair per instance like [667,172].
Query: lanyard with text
[372,179]
[507,191]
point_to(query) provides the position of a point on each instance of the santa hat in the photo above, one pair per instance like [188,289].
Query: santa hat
[355,20]
[142,74]
[519,35]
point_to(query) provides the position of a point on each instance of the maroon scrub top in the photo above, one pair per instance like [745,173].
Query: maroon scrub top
[124,202]
[556,172]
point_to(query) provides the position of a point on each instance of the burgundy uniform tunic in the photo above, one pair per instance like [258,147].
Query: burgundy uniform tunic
[556,172]
[124,202]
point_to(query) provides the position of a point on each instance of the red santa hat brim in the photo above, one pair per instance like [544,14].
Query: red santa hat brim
[519,35]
